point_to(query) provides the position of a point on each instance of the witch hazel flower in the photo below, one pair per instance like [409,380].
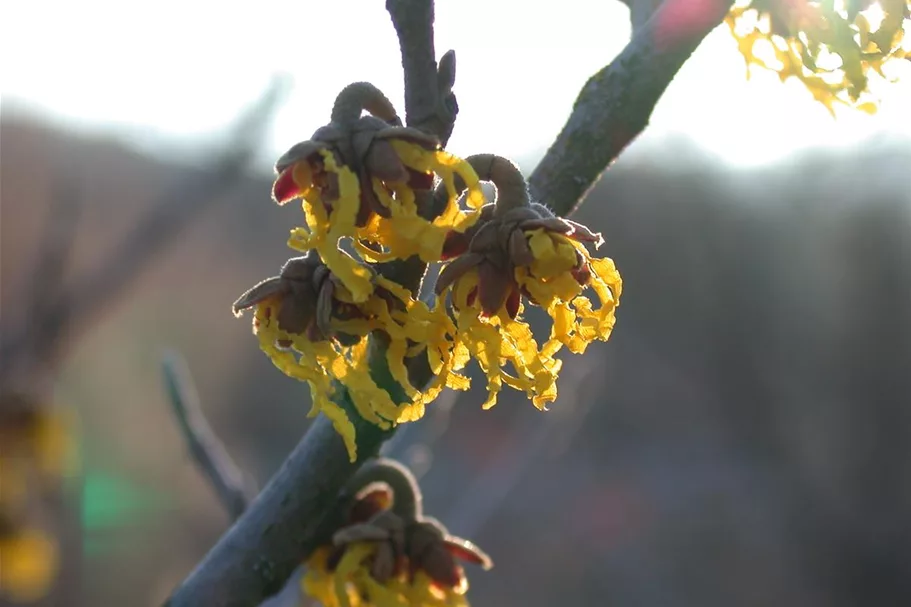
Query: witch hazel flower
[387,553]
[358,176]
[313,329]
[519,251]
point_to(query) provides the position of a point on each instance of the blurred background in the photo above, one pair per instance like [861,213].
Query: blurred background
[744,438]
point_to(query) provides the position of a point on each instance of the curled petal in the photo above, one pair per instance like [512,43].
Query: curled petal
[454,245]
[411,135]
[360,533]
[513,302]
[384,563]
[493,288]
[468,552]
[299,152]
[444,164]
[438,563]
[286,187]
[324,307]
[551,224]
[270,287]
[295,315]
[583,234]
[325,231]
[455,269]
[519,252]
[349,564]
[370,500]
[553,254]
[369,203]
[486,238]
[382,162]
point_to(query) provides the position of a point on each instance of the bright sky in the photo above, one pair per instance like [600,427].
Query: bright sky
[175,70]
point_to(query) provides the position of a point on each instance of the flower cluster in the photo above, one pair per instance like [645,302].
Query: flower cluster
[386,192]
[388,553]
[38,451]
[831,47]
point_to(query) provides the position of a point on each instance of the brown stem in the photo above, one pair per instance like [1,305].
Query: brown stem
[360,96]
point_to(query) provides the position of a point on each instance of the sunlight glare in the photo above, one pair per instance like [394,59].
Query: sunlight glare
[183,79]
[874,16]
[765,51]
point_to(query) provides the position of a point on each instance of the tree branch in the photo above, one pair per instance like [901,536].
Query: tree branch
[429,102]
[295,513]
[232,487]
[46,321]
[616,103]
[291,517]
[640,11]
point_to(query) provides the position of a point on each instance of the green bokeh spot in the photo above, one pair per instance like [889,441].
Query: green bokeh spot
[110,501]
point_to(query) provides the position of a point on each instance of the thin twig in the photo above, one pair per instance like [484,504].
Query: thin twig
[92,293]
[615,104]
[289,519]
[232,487]
[294,513]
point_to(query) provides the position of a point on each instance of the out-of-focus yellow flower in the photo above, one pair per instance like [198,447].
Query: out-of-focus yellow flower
[39,436]
[519,248]
[351,585]
[830,47]
[28,564]
[38,447]
[311,327]
[389,554]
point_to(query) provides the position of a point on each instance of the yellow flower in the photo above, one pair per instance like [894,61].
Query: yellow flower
[351,585]
[311,327]
[519,248]
[28,564]
[44,436]
[500,340]
[330,213]
[389,554]
[555,280]
[830,47]
[406,232]
[357,177]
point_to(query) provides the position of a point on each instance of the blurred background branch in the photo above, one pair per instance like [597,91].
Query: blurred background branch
[234,489]
[58,311]
[74,307]
[45,323]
